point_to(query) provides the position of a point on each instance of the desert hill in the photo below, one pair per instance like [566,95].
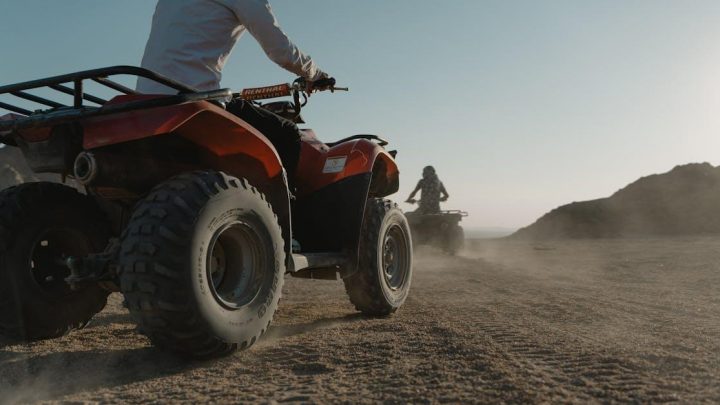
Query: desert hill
[683,201]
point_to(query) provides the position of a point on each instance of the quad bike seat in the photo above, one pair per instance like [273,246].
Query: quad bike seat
[284,109]
[379,140]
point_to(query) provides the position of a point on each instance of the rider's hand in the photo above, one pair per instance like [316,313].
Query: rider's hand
[443,198]
[323,82]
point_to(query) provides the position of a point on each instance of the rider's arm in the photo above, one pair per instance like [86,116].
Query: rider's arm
[444,193]
[417,188]
[258,18]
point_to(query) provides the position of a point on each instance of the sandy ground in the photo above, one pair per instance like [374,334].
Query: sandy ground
[600,321]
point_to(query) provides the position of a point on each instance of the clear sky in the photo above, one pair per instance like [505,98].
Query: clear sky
[521,106]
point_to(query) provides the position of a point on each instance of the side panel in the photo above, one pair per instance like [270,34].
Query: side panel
[330,218]
[321,166]
[331,198]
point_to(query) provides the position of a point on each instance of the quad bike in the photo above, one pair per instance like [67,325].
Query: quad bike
[441,229]
[185,209]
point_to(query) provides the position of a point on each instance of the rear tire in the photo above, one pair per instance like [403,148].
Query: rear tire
[203,262]
[382,281]
[41,224]
[455,240]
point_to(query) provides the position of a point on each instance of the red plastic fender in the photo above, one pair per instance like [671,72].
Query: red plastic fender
[203,123]
[321,166]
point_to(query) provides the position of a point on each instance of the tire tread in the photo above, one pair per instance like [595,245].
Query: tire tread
[17,205]
[364,287]
[165,314]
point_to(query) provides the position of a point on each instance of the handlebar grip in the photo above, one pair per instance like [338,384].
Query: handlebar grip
[326,82]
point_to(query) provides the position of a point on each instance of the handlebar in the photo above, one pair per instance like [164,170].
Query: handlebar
[299,86]
[327,83]
[414,201]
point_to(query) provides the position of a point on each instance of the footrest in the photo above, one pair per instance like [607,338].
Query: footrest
[306,261]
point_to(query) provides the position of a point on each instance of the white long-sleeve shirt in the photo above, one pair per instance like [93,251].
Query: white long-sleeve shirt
[190,42]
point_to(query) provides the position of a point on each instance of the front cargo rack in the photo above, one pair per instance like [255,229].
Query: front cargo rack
[72,84]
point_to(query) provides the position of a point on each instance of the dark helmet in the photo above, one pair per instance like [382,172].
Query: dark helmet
[428,171]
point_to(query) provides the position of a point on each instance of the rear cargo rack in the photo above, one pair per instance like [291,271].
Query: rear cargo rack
[72,84]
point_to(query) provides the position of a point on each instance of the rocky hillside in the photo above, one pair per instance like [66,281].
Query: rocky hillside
[685,200]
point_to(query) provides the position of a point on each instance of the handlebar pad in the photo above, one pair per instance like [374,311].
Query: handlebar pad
[259,93]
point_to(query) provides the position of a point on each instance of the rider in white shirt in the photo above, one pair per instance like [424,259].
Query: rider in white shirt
[190,42]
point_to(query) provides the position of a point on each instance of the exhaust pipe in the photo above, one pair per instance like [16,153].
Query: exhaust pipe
[117,171]
[85,168]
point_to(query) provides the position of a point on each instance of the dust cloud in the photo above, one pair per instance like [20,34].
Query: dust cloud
[650,304]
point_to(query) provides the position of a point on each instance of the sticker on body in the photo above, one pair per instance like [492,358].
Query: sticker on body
[335,164]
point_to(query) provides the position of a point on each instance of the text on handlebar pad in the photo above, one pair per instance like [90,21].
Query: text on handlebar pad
[280,90]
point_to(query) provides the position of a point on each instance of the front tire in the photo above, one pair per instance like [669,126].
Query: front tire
[382,281]
[202,264]
[41,224]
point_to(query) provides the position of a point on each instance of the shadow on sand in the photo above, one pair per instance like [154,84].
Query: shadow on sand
[282,331]
[28,377]
[53,375]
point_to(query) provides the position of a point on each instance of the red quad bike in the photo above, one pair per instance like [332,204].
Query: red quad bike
[185,209]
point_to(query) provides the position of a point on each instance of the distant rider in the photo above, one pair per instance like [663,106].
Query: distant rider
[190,42]
[433,192]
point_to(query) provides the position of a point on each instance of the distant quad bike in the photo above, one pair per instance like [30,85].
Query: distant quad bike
[186,210]
[441,229]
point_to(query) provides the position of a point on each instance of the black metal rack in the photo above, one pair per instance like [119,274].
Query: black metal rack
[72,84]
